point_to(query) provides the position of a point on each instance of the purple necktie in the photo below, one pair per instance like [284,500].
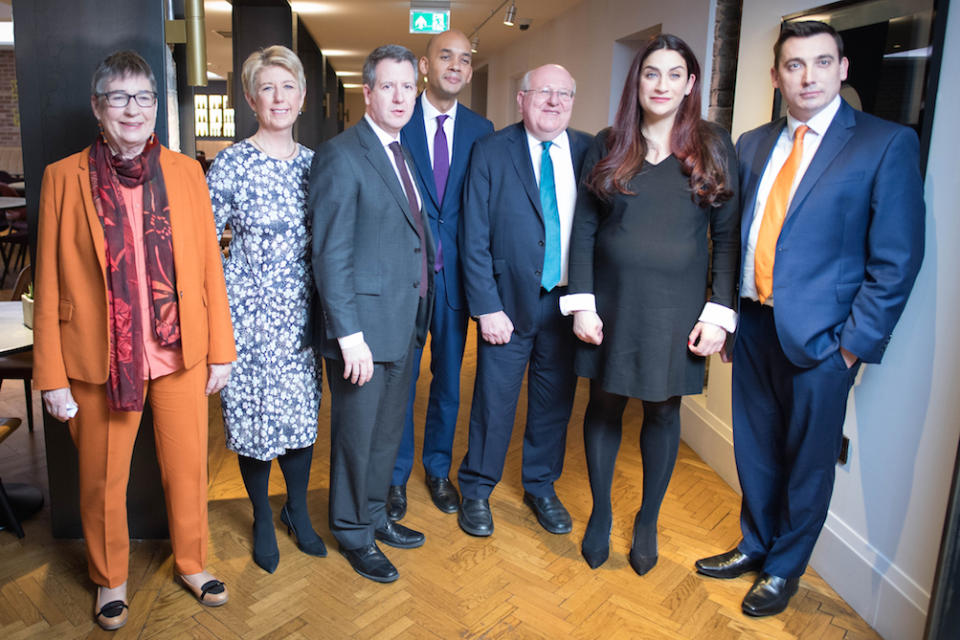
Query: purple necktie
[414,211]
[441,169]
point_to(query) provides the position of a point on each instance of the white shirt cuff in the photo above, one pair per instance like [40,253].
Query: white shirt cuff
[719,315]
[577,302]
[352,340]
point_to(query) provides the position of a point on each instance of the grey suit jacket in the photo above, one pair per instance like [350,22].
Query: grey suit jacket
[366,251]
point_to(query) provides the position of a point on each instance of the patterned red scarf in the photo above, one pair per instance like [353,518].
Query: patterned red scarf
[107,173]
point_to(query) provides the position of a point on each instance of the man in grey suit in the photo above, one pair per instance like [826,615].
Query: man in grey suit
[371,251]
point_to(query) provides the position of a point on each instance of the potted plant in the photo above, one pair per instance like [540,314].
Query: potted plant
[27,300]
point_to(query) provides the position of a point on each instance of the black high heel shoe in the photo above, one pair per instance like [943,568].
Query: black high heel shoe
[640,561]
[267,558]
[313,547]
[595,556]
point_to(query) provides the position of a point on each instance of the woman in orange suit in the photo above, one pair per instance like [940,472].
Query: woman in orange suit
[130,297]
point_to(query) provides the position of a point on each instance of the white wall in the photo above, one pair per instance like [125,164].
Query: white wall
[880,543]
[583,40]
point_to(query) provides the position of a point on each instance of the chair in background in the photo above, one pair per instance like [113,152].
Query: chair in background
[8,516]
[19,366]
[14,239]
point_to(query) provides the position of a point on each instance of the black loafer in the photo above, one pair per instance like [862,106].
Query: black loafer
[443,494]
[731,564]
[550,512]
[475,518]
[399,536]
[769,595]
[370,562]
[397,502]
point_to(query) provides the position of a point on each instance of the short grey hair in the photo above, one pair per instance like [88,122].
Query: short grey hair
[275,56]
[525,81]
[121,64]
[394,52]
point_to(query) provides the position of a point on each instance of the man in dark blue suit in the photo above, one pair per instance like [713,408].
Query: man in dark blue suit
[517,214]
[832,240]
[440,136]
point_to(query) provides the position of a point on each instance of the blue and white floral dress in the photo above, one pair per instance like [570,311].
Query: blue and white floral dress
[272,400]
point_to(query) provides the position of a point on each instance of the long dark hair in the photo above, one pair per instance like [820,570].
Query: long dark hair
[699,149]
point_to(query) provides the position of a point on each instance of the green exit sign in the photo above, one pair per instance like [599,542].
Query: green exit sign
[426,21]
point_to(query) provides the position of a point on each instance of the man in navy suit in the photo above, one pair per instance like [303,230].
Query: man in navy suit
[517,214]
[832,238]
[372,253]
[439,136]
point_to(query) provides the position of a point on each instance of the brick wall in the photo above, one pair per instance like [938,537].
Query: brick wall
[726,46]
[9,110]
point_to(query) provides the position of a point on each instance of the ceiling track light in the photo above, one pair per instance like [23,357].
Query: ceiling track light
[510,18]
[475,44]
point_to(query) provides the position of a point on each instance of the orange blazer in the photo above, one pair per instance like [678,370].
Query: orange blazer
[71,335]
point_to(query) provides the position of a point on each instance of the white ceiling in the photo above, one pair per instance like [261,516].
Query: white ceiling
[348,30]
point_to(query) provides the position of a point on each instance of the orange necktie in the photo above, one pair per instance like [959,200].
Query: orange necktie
[773,214]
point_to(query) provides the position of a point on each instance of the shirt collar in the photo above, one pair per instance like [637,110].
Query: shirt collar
[384,137]
[819,122]
[430,112]
[560,142]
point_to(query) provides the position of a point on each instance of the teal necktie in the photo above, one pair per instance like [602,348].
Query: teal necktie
[551,220]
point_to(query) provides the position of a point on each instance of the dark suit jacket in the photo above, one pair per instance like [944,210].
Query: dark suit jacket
[445,216]
[502,238]
[852,241]
[366,251]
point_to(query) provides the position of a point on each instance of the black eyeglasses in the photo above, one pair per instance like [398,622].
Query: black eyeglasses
[121,99]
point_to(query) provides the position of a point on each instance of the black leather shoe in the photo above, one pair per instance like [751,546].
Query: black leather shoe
[550,512]
[769,595]
[475,518]
[370,562]
[399,536]
[443,493]
[731,564]
[397,502]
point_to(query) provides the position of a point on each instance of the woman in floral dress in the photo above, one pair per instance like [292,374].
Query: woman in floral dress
[258,186]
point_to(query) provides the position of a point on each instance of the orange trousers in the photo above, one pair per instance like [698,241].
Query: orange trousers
[104,441]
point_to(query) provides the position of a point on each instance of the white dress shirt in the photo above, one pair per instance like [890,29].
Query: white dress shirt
[566,183]
[430,114]
[781,150]
[355,339]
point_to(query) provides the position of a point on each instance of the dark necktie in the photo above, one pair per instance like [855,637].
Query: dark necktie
[414,211]
[441,169]
[551,220]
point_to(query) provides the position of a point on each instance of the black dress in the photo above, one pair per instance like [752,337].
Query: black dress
[645,259]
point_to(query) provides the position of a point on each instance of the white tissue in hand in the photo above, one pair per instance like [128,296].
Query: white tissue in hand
[71,409]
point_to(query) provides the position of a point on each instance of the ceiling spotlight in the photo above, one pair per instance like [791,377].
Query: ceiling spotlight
[511,14]
[475,44]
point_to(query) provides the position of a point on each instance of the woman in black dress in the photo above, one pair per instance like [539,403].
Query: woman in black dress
[656,183]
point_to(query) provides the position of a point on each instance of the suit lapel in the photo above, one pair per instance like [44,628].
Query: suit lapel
[417,144]
[753,174]
[377,156]
[93,218]
[461,150]
[834,139]
[520,154]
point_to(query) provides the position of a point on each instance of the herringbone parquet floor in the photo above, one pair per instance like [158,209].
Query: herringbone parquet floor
[520,583]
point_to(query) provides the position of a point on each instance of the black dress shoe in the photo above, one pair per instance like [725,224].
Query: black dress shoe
[399,536]
[443,493]
[731,564]
[550,512]
[769,595]
[475,518]
[397,502]
[370,562]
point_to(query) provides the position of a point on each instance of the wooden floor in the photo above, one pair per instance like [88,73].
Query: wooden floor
[520,583]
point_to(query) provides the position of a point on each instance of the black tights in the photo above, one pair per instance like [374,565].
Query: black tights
[659,440]
[295,466]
